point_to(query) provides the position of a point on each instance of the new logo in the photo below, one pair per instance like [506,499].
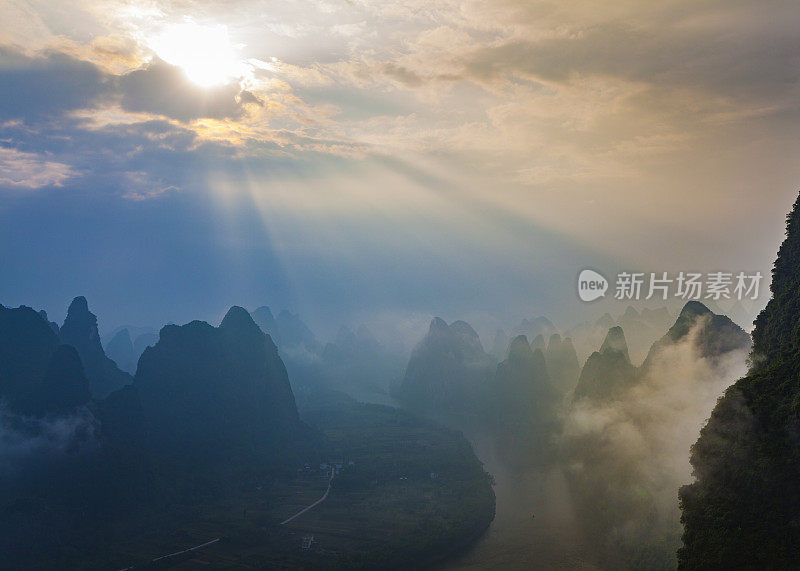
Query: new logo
[591,285]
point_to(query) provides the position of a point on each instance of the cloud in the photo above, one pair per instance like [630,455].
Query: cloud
[42,87]
[141,187]
[20,170]
[25,440]
[561,118]
[626,459]
[163,89]
[51,86]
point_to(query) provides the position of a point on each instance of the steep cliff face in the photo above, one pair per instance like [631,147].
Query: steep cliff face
[64,386]
[80,331]
[744,507]
[27,344]
[776,336]
[213,390]
[38,376]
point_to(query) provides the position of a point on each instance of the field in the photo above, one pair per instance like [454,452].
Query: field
[408,492]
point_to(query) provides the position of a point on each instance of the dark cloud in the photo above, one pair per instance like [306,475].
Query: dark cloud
[402,74]
[49,110]
[735,62]
[35,88]
[249,97]
[164,89]
[47,86]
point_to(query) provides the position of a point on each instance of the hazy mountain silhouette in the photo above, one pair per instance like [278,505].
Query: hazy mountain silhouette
[639,333]
[295,333]
[266,321]
[142,342]
[38,375]
[141,338]
[536,326]
[500,344]
[741,315]
[522,388]
[298,346]
[358,364]
[659,319]
[538,342]
[607,372]
[606,321]
[120,350]
[715,336]
[743,507]
[447,370]
[80,331]
[641,329]
[354,362]
[589,335]
[27,344]
[215,390]
[562,363]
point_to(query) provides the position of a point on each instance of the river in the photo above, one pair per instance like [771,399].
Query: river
[534,526]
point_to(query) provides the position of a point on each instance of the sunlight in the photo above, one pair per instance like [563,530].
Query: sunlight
[203,52]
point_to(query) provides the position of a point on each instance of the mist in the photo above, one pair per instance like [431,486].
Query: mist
[607,495]
[297,283]
[626,459]
[28,441]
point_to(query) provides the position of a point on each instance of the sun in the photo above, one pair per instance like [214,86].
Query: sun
[204,52]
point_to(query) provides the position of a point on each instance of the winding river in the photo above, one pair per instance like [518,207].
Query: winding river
[534,525]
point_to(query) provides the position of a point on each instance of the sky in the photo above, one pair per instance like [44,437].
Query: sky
[383,162]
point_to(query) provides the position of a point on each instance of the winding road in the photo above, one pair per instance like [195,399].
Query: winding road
[284,522]
[319,501]
[195,548]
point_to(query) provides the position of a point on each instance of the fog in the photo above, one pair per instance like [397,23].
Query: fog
[357,170]
[626,459]
[610,497]
[607,495]
[25,441]
[585,483]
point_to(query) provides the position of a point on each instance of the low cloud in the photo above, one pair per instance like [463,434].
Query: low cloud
[26,440]
[626,459]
